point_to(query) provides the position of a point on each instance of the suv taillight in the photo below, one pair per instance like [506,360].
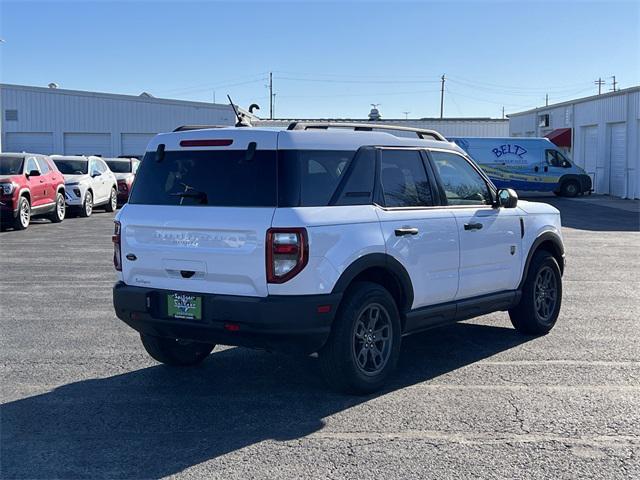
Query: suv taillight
[287,253]
[117,256]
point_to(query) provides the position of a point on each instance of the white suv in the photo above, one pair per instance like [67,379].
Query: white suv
[335,241]
[88,183]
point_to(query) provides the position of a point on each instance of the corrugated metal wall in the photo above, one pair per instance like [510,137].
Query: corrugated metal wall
[60,112]
[604,128]
[447,127]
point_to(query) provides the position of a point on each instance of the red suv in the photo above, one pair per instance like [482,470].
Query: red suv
[30,185]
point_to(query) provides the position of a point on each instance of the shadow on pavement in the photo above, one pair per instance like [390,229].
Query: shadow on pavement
[587,215]
[158,421]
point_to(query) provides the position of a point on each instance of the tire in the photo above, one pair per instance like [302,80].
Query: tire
[348,362]
[87,206]
[112,204]
[570,188]
[538,310]
[177,353]
[21,222]
[59,212]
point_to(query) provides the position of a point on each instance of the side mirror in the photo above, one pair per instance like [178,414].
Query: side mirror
[95,174]
[33,173]
[507,198]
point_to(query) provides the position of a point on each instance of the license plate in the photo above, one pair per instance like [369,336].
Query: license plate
[181,305]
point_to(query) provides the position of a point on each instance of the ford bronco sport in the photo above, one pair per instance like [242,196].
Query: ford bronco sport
[327,240]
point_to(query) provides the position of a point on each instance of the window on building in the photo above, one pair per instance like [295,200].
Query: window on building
[543,120]
[11,115]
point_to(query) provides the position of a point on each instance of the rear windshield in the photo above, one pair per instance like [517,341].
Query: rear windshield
[234,178]
[72,167]
[227,178]
[11,165]
[119,166]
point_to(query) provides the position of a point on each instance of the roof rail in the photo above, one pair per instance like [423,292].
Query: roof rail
[366,127]
[184,128]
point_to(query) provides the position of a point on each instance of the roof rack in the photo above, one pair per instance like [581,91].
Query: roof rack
[366,127]
[184,128]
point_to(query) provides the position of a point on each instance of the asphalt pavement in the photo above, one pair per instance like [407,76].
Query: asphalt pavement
[81,399]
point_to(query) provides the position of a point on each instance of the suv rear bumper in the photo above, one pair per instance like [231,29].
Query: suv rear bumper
[286,323]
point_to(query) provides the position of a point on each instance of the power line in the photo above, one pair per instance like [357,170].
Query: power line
[420,77]
[455,78]
[328,80]
[517,93]
[210,86]
[413,92]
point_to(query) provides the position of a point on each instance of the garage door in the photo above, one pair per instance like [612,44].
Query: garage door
[590,149]
[135,144]
[28,142]
[87,144]
[618,162]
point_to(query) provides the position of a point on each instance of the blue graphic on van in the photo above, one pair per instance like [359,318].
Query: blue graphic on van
[509,149]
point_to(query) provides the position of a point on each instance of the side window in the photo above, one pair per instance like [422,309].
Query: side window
[462,184]
[44,166]
[358,189]
[321,172]
[102,167]
[564,163]
[552,158]
[31,165]
[93,168]
[404,179]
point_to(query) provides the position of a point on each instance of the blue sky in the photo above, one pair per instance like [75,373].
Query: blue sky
[330,59]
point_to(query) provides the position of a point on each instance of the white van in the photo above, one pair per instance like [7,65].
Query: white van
[526,164]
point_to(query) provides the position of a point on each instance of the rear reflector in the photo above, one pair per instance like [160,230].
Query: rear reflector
[324,308]
[231,327]
[206,143]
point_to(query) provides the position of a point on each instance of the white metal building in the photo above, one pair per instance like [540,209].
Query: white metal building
[53,120]
[604,136]
[58,121]
[468,127]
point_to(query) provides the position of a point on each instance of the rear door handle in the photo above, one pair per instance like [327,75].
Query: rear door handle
[406,231]
[472,226]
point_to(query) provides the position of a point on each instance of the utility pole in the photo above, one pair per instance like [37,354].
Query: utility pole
[546,100]
[274,104]
[599,82]
[214,96]
[406,115]
[503,113]
[442,98]
[614,83]
[271,95]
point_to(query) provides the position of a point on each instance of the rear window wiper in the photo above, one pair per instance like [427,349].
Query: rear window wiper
[202,196]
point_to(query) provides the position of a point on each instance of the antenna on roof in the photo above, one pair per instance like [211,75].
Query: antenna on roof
[242,120]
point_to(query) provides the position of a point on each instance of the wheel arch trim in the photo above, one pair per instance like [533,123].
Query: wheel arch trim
[383,261]
[545,237]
